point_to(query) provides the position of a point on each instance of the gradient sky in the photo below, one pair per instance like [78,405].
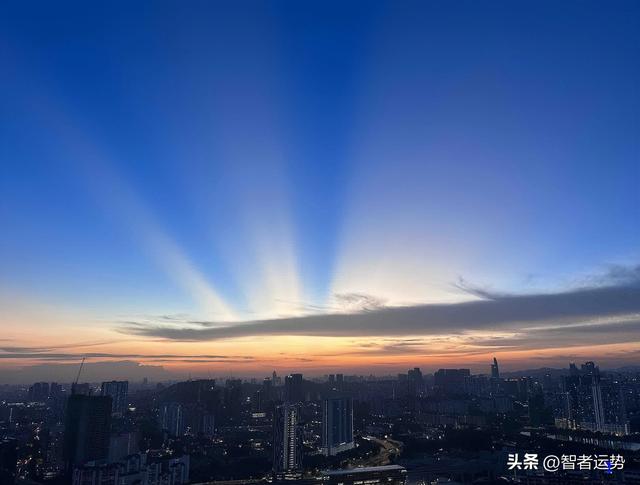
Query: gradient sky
[200,185]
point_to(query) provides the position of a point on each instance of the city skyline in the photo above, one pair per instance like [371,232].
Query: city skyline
[341,429]
[213,189]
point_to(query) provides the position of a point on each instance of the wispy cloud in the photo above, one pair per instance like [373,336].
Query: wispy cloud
[50,348]
[34,354]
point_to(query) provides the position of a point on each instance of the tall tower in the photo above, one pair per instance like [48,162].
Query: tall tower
[495,371]
[337,425]
[287,442]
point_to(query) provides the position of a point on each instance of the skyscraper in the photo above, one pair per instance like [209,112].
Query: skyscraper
[293,389]
[495,371]
[172,419]
[39,392]
[593,402]
[337,425]
[267,389]
[414,382]
[608,407]
[287,442]
[451,380]
[87,427]
[276,379]
[119,393]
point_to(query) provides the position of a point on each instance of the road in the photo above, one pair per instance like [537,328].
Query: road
[388,448]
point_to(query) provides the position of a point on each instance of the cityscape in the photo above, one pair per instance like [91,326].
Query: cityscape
[414,428]
[320,242]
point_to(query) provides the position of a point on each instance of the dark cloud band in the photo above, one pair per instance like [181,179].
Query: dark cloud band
[499,313]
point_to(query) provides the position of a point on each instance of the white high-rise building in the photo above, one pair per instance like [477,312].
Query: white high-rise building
[287,441]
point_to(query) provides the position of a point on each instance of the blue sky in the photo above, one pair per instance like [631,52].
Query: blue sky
[242,160]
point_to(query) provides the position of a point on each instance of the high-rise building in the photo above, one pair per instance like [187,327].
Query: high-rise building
[598,407]
[119,392]
[592,402]
[55,391]
[208,426]
[122,444]
[172,419]
[293,388]
[83,388]
[608,407]
[39,392]
[337,425]
[276,379]
[87,427]
[573,370]
[414,382]
[267,389]
[189,407]
[451,380]
[590,368]
[495,370]
[233,395]
[287,442]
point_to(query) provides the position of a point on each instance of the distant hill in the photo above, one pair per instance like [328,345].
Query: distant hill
[542,371]
[202,390]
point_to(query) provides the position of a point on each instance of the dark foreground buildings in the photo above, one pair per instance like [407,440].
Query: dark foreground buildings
[413,429]
[8,461]
[87,428]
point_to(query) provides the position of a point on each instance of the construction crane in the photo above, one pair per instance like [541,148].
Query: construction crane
[75,383]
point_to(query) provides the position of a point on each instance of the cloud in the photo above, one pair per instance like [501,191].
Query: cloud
[91,372]
[616,331]
[50,348]
[586,315]
[351,302]
[41,354]
[615,275]
[475,290]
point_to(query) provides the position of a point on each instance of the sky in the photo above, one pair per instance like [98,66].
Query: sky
[210,188]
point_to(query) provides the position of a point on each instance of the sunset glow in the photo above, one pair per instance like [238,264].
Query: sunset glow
[207,194]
